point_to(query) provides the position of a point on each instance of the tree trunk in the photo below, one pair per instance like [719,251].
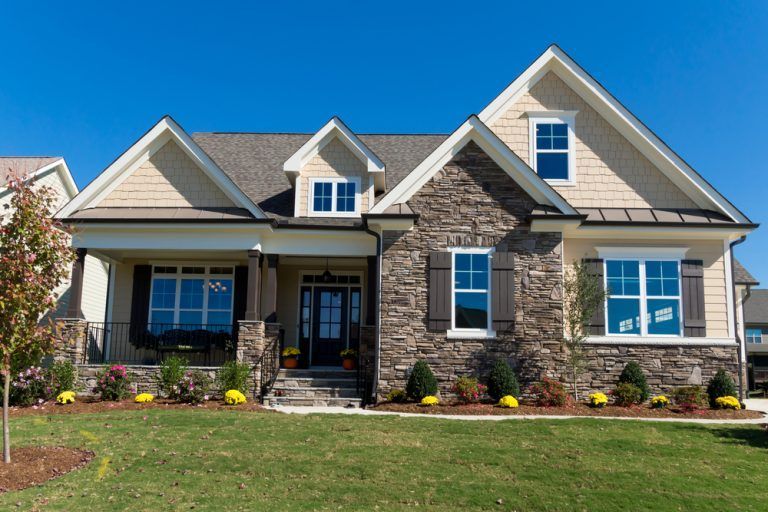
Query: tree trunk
[6,426]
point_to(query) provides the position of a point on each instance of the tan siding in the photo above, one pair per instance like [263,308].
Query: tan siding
[610,171]
[333,161]
[168,179]
[710,252]
[121,306]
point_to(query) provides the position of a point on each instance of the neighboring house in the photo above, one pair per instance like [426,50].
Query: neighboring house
[447,248]
[53,172]
[756,326]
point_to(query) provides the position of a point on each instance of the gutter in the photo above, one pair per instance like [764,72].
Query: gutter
[377,341]
[742,348]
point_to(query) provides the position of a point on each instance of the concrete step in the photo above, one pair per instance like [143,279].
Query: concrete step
[316,373]
[318,382]
[314,391]
[312,402]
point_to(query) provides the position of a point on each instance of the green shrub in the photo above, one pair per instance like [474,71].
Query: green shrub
[194,387]
[550,393]
[689,397]
[62,376]
[421,382]
[172,370]
[721,385]
[633,374]
[397,396]
[627,394]
[29,387]
[502,381]
[233,375]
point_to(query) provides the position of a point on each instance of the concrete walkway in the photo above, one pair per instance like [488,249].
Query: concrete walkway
[367,412]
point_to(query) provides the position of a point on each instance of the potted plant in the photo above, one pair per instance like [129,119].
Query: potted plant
[291,357]
[349,358]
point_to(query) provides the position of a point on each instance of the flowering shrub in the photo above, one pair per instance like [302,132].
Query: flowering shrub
[659,402]
[627,394]
[468,389]
[728,402]
[430,400]
[689,398]
[193,387]
[508,401]
[143,398]
[30,386]
[113,383]
[598,400]
[550,393]
[291,352]
[66,397]
[234,397]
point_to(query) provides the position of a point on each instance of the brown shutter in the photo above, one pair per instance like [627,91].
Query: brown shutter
[693,298]
[142,283]
[241,294]
[503,290]
[596,326]
[439,291]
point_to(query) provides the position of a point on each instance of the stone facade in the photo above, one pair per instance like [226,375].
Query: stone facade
[70,340]
[144,379]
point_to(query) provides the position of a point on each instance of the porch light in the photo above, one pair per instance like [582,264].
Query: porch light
[327,276]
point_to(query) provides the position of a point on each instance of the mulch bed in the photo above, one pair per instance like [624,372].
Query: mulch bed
[34,465]
[89,405]
[482,409]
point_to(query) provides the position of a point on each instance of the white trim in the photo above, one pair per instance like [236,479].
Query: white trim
[61,168]
[729,301]
[165,130]
[568,118]
[311,212]
[652,253]
[554,59]
[460,332]
[677,341]
[474,130]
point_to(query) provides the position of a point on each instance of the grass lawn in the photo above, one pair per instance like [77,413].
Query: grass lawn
[229,460]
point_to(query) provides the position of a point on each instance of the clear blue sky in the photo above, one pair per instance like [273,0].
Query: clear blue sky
[84,80]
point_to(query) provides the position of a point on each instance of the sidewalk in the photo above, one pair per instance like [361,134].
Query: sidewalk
[366,412]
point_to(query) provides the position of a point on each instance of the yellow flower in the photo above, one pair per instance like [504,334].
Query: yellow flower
[234,397]
[508,401]
[144,398]
[66,397]
[659,402]
[598,399]
[728,402]
[430,400]
[291,351]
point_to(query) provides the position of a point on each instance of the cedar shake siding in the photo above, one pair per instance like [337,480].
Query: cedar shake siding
[471,202]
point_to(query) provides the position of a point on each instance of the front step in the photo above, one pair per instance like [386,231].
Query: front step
[314,387]
[272,400]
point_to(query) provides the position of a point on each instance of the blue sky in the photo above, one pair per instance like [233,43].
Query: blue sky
[84,80]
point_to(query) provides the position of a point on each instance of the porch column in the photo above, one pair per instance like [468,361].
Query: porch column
[270,295]
[253,299]
[372,292]
[74,308]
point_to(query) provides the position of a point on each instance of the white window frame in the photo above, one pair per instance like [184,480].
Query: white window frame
[334,189]
[567,118]
[746,335]
[644,297]
[207,277]
[466,333]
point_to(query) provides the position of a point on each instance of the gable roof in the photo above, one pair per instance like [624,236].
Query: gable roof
[554,59]
[473,129]
[741,275]
[33,166]
[164,130]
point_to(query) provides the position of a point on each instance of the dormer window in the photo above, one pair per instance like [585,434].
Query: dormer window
[552,153]
[334,197]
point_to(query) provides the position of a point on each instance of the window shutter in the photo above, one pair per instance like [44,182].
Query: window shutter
[142,283]
[693,298]
[241,294]
[439,291]
[502,290]
[596,326]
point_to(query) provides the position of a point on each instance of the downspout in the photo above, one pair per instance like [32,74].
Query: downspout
[733,244]
[377,341]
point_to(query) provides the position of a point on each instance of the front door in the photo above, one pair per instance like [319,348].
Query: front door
[329,326]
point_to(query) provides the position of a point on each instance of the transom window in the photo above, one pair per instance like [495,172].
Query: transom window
[191,297]
[334,196]
[644,297]
[552,154]
[754,336]
[471,289]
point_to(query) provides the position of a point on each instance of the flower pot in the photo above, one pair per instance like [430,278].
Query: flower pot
[290,362]
[348,364]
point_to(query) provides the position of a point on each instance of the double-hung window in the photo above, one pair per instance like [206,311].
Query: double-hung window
[471,294]
[643,297]
[191,297]
[552,146]
[755,336]
[334,197]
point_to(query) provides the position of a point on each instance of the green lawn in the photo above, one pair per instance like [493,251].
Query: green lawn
[184,459]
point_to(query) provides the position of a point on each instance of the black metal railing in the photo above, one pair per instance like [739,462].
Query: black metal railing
[364,378]
[204,345]
[269,364]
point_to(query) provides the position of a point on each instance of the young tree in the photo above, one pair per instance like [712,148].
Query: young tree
[34,260]
[583,294]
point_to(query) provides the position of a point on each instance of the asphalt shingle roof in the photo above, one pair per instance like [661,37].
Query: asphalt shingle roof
[756,308]
[741,275]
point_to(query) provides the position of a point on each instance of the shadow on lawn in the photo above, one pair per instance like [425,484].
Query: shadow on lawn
[755,437]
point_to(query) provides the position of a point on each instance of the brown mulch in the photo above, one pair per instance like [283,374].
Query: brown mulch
[34,465]
[89,405]
[482,409]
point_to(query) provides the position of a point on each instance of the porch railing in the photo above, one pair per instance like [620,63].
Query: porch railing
[364,380]
[150,344]
[269,364]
